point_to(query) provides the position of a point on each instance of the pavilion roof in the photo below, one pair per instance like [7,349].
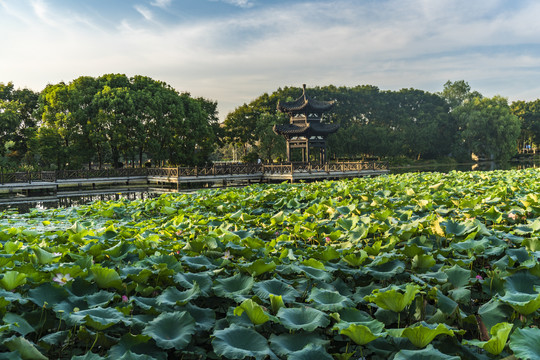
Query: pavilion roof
[304,103]
[308,129]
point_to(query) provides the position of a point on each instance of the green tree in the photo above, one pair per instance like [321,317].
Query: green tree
[529,116]
[487,128]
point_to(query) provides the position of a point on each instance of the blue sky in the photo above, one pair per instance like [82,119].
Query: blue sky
[232,51]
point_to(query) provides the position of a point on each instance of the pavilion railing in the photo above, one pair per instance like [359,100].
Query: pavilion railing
[196,171]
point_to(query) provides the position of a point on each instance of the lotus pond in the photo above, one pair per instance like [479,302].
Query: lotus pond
[410,266]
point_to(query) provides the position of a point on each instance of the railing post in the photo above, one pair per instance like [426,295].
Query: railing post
[29,175]
[2,175]
[196,171]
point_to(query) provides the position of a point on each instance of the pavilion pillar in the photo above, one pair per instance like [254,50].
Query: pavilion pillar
[307,151]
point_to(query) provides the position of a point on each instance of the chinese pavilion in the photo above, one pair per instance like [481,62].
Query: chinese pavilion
[306,130]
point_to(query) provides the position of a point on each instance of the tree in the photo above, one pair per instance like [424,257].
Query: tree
[529,116]
[487,128]
[457,92]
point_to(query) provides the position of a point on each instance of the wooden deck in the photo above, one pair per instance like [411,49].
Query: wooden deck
[52,182]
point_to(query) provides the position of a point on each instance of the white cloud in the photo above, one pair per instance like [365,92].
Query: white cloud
[145,12]
[161,3]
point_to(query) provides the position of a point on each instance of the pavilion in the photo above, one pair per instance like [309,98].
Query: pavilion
[306,131]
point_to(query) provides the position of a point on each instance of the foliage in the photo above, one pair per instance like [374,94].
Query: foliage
[424,265]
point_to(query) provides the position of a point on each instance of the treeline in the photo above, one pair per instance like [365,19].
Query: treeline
[456,123]
[114,119]
[110,119]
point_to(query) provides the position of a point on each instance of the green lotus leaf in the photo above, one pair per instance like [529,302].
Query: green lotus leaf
[88,356]
[362,334]
[12,279]
[521,282]
[314,264]
[204,318]
[171,330]
[429,353]
[56,338]
[393,299]
[316,274]
[423,261]
[259,267]
[310,352]
[525,343]
[136,344]
[237,342]
[499,334]
[46,295]
[421,334]
[43,256]
[26,348]
[446,304]
[328,300]
[233,286]
[97,318]
[287,343]
[276,302]
[351,315]
[198,263]
[532,244]
[172,296]
[12,355]
[12,297]
[188,280]
[524,304]
[128,355]
[106,278]
[494,312]
[356,260]
[387,270]
[253,310]
[19,324]
[457,228]
[302,318]
[458,276]
[100,298]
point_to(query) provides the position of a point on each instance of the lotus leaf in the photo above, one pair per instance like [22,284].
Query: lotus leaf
[499,334]
[429,353]
[421,334]
[233,286]
[26,348]
[21,326]
[263,289]
[310,352]
[363,333]
[106,278]
[393,299]
[204,318]
[253,310]
[172,296]
[12,279]
[524,304]
[237,342]
[97,318]
[88,356]
[302,318]
[525,343]
[134,344]
[276,302]
[287,343]
[329,300]
[171,330]
[259,267]
[387,270]
[458,276]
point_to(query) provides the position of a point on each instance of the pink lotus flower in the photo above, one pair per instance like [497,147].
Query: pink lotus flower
[478,277]
[227,255]
[513,216]
[327,239]
[62,279]
[125,299]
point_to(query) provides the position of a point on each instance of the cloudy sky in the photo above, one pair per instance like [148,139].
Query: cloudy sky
[232,51]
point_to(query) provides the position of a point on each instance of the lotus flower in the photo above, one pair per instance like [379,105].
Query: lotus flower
[62,279]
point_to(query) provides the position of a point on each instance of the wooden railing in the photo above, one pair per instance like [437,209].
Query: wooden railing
[175,172]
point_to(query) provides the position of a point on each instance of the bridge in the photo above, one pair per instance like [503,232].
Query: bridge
[175,178]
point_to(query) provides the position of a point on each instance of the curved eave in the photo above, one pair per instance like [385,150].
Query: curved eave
[314,129]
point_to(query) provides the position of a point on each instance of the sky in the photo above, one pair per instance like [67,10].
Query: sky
[233,51]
